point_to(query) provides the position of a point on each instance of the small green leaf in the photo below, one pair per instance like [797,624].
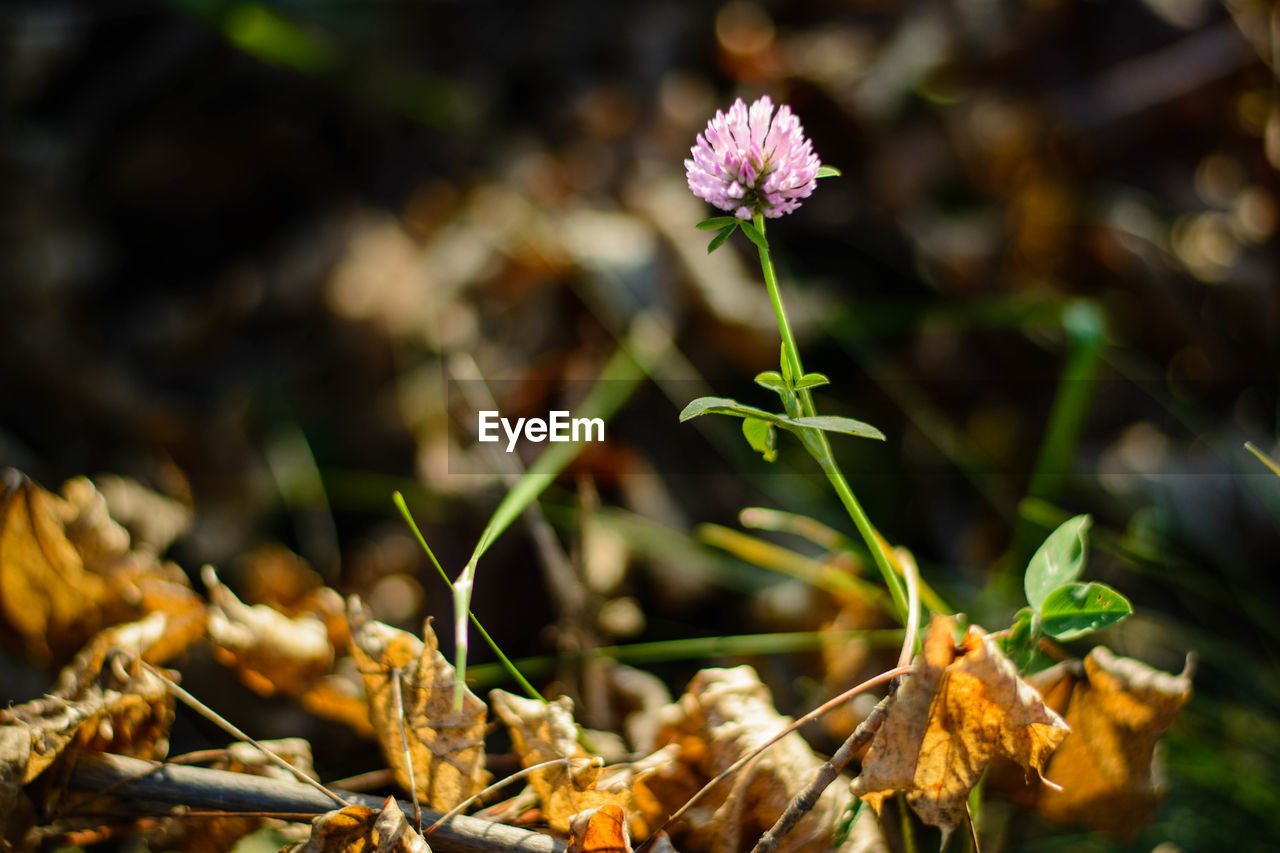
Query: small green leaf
[788,375]
[825,171]
[716,222]
[812,380]
[762,437]
[771,379]
[1059,560]
[725,406]
[718,240]
[754,235]
[1021,640]
[1076,609]
[848,426]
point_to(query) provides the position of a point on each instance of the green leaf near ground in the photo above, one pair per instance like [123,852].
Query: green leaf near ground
[1058,561]
[1076,609]
[1021,640]
[727,406]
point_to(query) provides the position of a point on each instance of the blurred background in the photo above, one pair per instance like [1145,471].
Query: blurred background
[257,257]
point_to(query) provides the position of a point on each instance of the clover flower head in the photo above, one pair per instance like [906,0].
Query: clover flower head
[753,161]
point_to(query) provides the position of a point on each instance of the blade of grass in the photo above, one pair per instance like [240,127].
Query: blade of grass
[504,661]
[619,379]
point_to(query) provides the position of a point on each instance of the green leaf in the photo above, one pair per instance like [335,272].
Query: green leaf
[754,235]
[718,240]
[825,171]
[1020,644]
[788,375]
[716,222]
[848,426]
[771,379]
[1059,560]
[726,406]
[762,437]
[1076,609]
[812,380]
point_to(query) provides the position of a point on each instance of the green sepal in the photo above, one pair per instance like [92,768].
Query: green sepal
[718,240]
[1076,609]
[762,437]
[1060,560]
[754,234]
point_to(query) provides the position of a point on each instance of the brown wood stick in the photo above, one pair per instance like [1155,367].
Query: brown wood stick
[803,802]
[141,781]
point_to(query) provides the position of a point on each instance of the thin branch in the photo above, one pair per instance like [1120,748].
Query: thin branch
[501,783]
[142,783]
[398,695]
[803,802]
[227,726]
[912,576]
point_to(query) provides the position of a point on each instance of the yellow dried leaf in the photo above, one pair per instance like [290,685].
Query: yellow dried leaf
[951,719]
[66,572]
[446,746]
[1117,712]
[271,652]
[599,830]
[723,715]
[545,731]
[104,701]
[357,829]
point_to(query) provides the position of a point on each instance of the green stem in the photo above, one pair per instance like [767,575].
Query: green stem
[800,404]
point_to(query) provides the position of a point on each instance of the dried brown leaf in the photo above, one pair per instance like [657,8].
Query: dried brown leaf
[545,731]
[66,572]
[599,830]
[104,701]
[358,829]
[1107,766]
[952,717]
[446,746]
[723,715]
[271,652]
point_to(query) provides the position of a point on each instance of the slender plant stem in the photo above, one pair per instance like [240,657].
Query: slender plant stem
[800,404]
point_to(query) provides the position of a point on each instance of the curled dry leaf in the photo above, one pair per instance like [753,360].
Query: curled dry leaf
[359,829]
[545,732]
[723,715]
[446,746]
[1107,766]
[271,652]
[104,701]
[66,572]
[599,830]
[951,718]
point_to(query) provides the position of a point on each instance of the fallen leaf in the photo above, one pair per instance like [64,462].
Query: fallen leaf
[67,571]
[445,746]
[358,829]
[104,701]
[271,652]
[599,830]
[952,717]
[1107,766]
[723,715]
[545,731]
